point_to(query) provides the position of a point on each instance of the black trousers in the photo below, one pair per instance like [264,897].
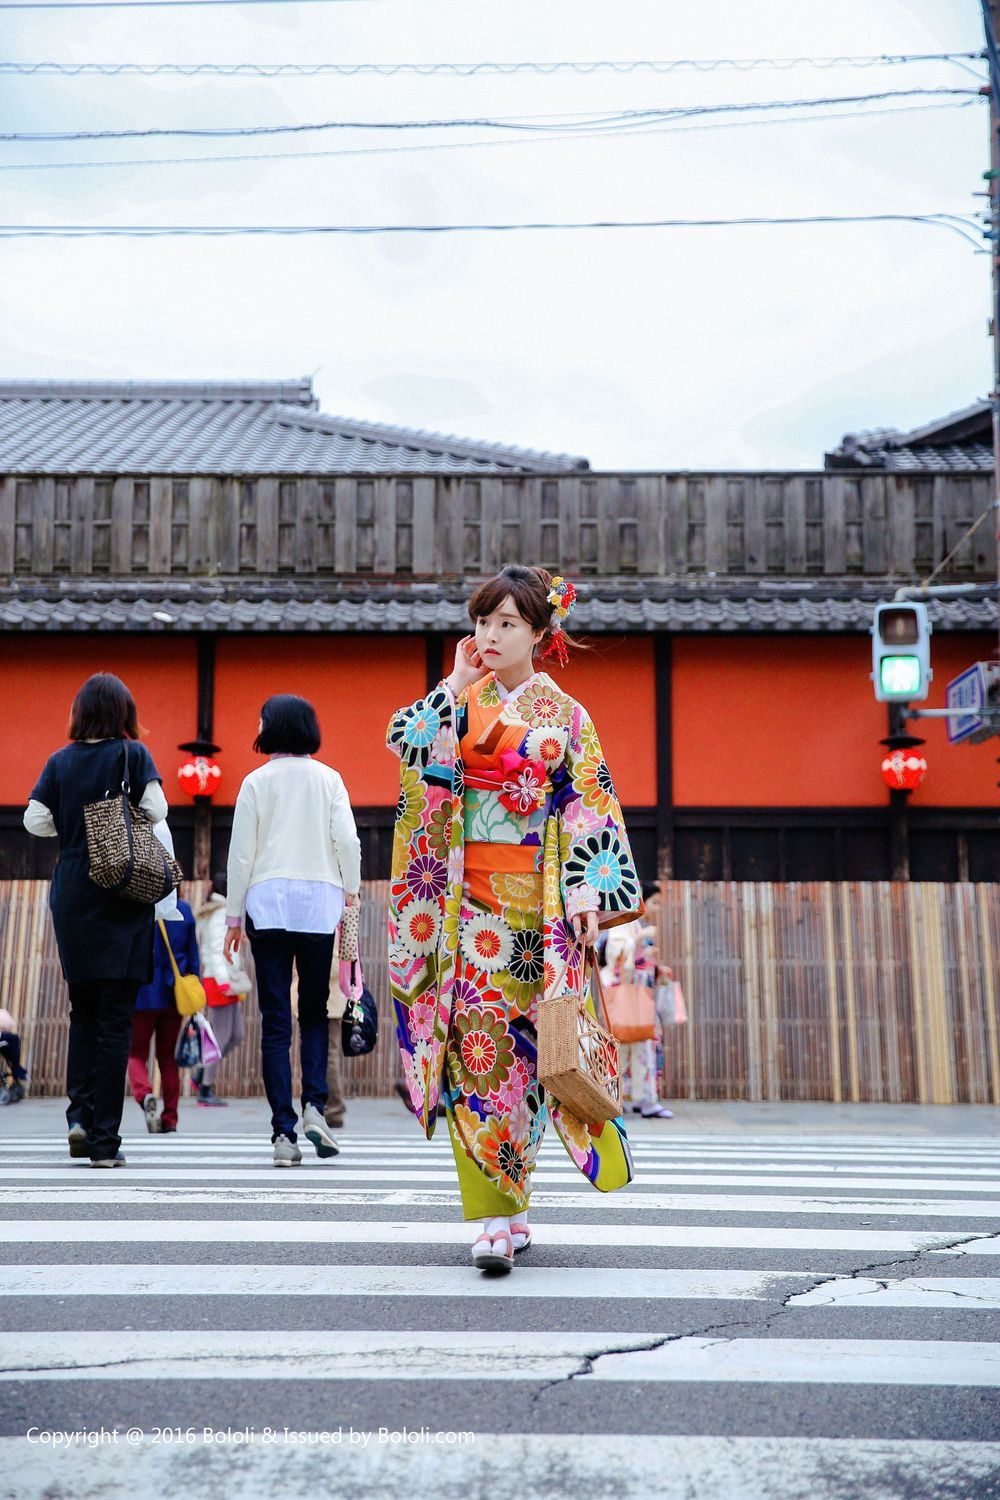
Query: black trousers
[100,1031]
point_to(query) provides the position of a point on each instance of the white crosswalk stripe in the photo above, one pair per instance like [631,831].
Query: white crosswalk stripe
[857,1265]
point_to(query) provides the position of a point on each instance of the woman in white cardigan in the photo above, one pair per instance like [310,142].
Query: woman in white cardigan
[294,862]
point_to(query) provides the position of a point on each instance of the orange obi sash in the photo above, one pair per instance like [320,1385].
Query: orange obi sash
[504,875]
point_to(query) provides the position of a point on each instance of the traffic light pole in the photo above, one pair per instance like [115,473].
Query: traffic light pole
[899,809]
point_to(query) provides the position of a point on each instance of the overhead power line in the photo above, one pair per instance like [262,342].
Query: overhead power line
[471,69]
[425,146]
[145,4]
[620,118]
[959,224]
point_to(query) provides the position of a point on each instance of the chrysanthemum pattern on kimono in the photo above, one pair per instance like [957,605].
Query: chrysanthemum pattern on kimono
[507,826]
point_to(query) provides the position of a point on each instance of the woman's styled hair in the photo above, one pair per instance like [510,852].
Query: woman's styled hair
[529,588]
[103,709]
[288,727]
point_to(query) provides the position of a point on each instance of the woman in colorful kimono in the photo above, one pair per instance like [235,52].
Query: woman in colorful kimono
[510,852]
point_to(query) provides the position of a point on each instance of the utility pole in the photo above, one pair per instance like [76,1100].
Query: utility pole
[991,25]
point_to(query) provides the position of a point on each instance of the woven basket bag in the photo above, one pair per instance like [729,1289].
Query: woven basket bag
[578,1058]
[125,855]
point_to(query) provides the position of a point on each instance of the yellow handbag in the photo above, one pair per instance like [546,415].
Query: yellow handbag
[189,992]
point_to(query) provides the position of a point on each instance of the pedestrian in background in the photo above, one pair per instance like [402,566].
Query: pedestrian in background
[10,1053]
[226,987]
[105,941]
[294,860]
[336,1105]
[156,1020]
[631,957]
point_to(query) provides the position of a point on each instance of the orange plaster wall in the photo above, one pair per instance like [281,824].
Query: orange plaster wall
[354,681]
[769,721]
[615,683]
[39,677]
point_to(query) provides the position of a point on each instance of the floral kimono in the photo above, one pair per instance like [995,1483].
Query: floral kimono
[507,826]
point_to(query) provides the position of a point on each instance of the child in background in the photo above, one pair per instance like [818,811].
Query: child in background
[226,984]
[10,1053]
[156,1017]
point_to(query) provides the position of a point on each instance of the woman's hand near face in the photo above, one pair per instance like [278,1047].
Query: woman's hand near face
[469,666]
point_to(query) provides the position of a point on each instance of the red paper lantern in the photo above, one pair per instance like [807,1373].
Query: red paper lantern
[199,776]
[903,768]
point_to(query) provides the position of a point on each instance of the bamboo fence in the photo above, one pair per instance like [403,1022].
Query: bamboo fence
[874,991]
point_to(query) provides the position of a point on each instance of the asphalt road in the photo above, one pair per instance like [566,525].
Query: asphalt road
[789,1301]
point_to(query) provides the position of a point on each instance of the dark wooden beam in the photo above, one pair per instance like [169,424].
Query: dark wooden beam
[663,686]
[435,658]
[206,725]
[206,685]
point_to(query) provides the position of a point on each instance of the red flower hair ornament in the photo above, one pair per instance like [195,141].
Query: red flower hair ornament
[562,597]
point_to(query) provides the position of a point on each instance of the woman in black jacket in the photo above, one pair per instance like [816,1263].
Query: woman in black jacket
[105,942]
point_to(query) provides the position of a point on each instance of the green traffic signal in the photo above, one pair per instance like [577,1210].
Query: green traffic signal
[899,676]
[901,656]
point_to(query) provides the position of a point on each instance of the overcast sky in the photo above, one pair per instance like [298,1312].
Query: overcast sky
[721,348]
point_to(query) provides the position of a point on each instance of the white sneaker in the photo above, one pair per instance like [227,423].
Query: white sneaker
[318,1131]
[286,1153]
[149,1110]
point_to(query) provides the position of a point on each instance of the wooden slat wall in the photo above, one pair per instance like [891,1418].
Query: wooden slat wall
[866,992]
[782,525]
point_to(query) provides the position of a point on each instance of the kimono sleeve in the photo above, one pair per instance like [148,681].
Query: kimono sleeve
[596,866]
[424,736]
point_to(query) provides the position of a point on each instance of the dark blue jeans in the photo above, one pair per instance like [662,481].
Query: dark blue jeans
[11,1050]
[274,952]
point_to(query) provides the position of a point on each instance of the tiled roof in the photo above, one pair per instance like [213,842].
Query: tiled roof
[224,427]
[959,443]
[197,609]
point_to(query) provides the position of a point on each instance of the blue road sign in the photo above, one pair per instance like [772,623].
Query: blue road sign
[968,691]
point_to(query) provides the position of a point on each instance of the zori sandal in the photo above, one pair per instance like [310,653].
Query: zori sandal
[494,1253]
[520,1234]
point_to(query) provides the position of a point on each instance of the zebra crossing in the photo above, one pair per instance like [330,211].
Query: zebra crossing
[755,1316]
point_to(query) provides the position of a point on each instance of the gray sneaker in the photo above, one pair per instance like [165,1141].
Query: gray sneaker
[286,1153]
[108,1161]
[318,1131]
[78,1146]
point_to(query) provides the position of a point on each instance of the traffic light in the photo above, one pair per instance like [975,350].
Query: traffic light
[901,653]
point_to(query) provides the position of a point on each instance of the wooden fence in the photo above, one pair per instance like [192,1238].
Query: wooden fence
[863,992]
[32,988]
[401,527]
